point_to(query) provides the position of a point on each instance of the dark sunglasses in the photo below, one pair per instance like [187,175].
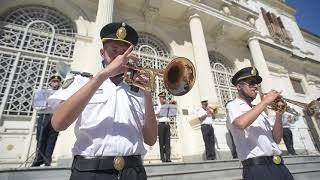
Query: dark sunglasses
[250,82]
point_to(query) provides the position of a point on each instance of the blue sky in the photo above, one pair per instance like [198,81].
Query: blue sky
[308,14]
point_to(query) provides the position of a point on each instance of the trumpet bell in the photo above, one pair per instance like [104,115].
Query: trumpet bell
[179,76]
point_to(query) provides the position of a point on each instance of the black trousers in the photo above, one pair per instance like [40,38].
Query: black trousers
[266,172]
[208,138]
[84,171]
[46,140]
[233,149]
[164,141]
[288,140]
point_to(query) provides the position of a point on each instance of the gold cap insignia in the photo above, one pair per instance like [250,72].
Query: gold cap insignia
[121,32]
[254,72]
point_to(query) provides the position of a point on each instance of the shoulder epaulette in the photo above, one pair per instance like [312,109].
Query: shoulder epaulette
[84,74]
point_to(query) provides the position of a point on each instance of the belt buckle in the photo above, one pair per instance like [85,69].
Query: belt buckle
[118,163]
[276,159]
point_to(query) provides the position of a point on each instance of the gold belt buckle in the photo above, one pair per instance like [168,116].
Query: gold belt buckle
[276,159]
[118,163]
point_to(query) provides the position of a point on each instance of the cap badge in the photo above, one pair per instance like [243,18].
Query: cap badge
[253,72]
[121,32]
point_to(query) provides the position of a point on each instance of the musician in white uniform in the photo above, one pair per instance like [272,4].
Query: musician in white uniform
[163,130]
[112,119]
[255,140]
[206,116]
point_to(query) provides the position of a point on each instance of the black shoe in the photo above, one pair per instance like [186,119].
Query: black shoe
[168,160]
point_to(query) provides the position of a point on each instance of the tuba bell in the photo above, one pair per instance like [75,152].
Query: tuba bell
[178,76]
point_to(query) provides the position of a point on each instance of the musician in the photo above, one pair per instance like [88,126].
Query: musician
[163,130]
[255,140]
[46,136]
[206,116]
[287,120]
[112,121]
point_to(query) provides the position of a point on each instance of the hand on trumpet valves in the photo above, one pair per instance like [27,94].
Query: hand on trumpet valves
[269,97]
[141,77]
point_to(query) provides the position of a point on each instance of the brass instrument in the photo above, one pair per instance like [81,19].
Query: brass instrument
[279,104]
[213,109]
[309,108]
[178,76]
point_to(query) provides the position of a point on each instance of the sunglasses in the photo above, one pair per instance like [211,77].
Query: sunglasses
[250,82]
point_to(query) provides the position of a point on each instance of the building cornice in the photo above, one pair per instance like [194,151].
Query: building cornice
[281,5]
[218,13]
[294,52]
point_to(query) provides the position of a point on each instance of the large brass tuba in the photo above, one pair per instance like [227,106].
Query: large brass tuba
[178,76]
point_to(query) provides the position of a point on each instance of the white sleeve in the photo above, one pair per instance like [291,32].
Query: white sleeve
[63,94]
[234,110]
[157,109]
[200,113]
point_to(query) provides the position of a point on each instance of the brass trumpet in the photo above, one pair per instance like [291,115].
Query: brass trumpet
[213,109]
[280,104]
[178,76]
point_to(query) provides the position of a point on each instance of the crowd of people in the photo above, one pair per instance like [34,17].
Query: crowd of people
[113,120]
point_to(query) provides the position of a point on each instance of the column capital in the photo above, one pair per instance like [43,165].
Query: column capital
[252,35]
[192,13]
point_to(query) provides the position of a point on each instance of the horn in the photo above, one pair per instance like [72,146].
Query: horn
[179,76]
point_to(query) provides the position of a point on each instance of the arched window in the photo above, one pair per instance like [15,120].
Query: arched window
[153,53]
[222,73]
[32,40]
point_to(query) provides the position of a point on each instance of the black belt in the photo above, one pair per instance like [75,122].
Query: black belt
[262,160]
[88,163]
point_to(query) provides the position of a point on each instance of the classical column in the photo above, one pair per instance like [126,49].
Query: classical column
[260,63]
[104,13]
[104,16]
[204,75]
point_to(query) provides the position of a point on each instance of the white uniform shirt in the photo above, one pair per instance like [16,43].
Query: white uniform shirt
[254,141]
[285,119]
[111,123]
[201,112]
[161,119]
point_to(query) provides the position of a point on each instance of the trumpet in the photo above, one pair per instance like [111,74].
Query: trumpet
[213,109]
[280,104]
[178,76]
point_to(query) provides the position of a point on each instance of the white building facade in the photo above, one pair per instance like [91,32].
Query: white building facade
[218,36]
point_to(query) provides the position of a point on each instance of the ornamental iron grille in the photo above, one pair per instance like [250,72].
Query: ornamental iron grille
[153,53]
[32,40]
[222,73]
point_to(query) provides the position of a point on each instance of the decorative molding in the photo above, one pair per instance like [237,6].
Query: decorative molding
[151,10]
[219,32]
[252,20]
[226,10]
[192,13]
[312,79]
[278,70]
